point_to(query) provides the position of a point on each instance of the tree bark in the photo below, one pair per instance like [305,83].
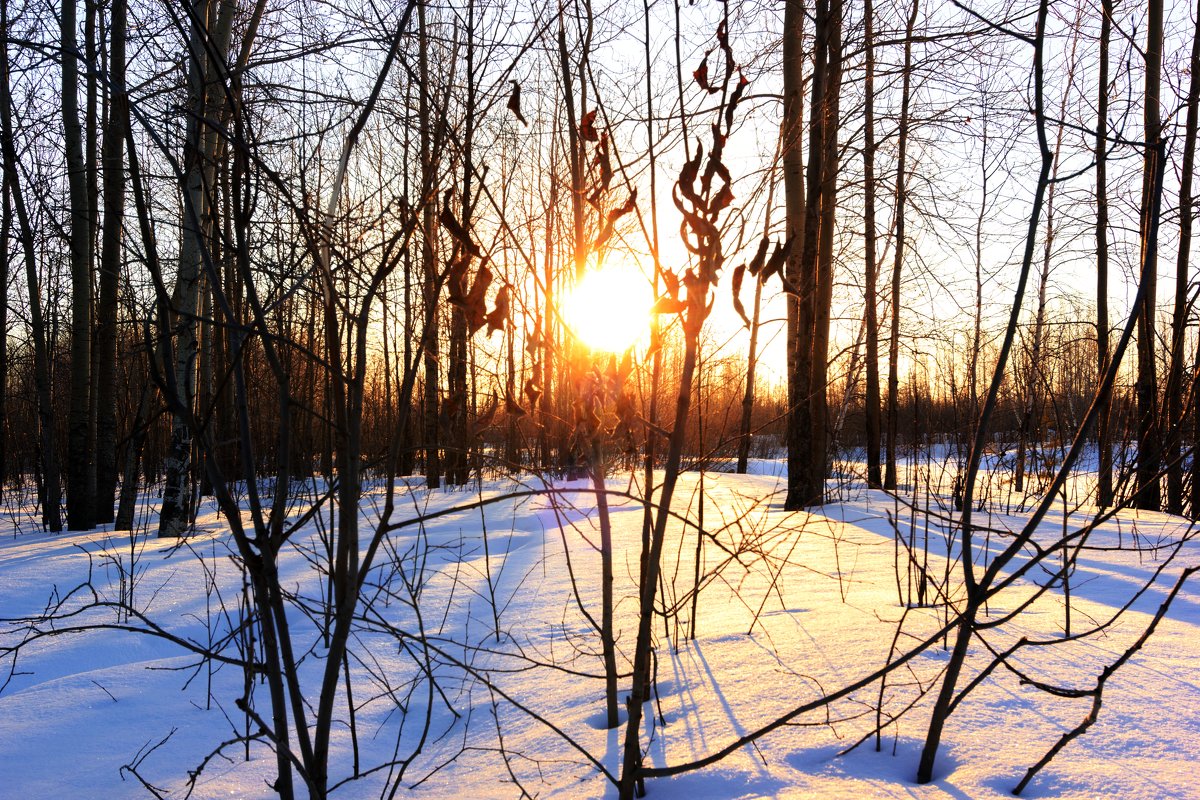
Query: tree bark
[5,233]
[207,51]
[80,500]
[871,278]
[91,132]
[801,305]
[110,268]
[575,155]
[1104,490]
[1175,389]
[1149,446]
[457,434]
[133,454]
[433,463]
[823,267]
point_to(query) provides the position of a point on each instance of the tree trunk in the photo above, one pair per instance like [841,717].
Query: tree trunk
[433,464]
[1149,446]
[631,759]
[976,589]
[893,402]
[133,454]
[608,644]
[546,333]
[1175,389]
[823,266]
[744,428]
[91,134]
[744,434]
[207,70]
[800,306]
[1031,416]
[5,233]
[407,439]
[110,268]
[575,155]
[1104,491]
[871,278]
[458,435]
[80,501]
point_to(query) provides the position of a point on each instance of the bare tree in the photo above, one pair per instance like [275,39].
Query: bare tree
[5,263]
[110,266]
[976,588]
[1149,446]
[808,415]
[1104,490]
[870,257]
[703,191]
[1174,389]
[1029,429]
[80,461]
[207,49]
[901,199]
[429,267]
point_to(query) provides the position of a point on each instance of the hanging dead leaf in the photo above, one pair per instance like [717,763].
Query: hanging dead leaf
[734,99]
[721,201]
[723,43]
[498,317]
[602,161]
[456,279]
[511,406]
[700,75]
[587,127]
[623,209]
[533,342]
[738,273]
[756,263]
[514,103]
[672,281]
[475,302]
[587,421]
[612,217]
[668,305]
[777,260]
[533,392]
[455,229]
[687,176]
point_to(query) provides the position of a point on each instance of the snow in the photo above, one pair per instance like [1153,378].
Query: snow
[793,607]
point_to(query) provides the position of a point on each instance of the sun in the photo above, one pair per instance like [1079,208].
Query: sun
[609,309]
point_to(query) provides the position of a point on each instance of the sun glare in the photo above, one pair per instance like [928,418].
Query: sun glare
[609,309]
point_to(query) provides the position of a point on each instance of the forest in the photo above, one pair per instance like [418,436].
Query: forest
[435,393]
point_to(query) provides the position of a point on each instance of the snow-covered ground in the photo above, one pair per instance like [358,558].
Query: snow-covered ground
[475,653]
